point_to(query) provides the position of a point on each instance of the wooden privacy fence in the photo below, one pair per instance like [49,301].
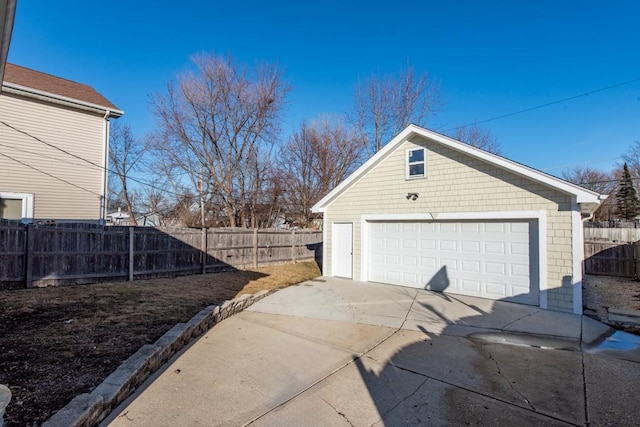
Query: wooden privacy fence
[592,234]
[34,255]
[611,258]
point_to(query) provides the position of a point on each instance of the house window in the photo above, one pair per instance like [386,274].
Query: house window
[16,206]
[416,163]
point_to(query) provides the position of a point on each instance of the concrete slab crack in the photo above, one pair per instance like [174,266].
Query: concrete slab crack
[584,390]
[336,410]
[406,316]
[403,400]
[519,319]
[509,381]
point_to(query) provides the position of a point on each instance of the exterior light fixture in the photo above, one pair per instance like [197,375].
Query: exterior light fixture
[412,196]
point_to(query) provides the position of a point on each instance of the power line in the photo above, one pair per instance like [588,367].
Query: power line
[22,150]
[537,107]
[141,182]
[48,174]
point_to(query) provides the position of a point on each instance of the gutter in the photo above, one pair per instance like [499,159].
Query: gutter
[105,167]
[13,88]
[7,17]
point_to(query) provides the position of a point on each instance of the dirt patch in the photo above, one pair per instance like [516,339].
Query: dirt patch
[56,343]
[602,293]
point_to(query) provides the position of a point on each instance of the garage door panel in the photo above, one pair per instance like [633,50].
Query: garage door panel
[494,247]
[450,264]
[471,266]
[519,248]
[427,244]
[496,290]
[470,287]
[490,259]
[428,263]
[391,243]
[520,270]
[470,227]
[392,259]
[470,246]
[519,227]
[447,227]
[495,268]
[448,245]
[494,227]
[410,261]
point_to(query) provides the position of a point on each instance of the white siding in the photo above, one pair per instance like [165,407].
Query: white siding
[77,132]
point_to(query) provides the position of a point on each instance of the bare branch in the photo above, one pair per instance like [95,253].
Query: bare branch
[216,126]
[383,106]
[478,137]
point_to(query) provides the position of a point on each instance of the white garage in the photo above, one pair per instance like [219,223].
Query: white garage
[489,259]
[430,212]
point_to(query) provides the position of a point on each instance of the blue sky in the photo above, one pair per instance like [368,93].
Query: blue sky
[490,58]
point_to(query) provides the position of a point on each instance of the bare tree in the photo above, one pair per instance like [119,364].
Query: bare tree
[317,157]
[590,178]
[598,181]
[383,106]
[216,129]
[125,155]
[156,205]
[478,137]
[632,158]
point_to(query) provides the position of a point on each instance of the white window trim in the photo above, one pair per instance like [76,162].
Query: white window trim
[27,202]
[407,164]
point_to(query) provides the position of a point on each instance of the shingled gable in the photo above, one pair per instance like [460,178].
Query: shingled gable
[27,81]
[587,199]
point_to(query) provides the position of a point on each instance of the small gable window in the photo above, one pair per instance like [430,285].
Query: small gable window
[416,163]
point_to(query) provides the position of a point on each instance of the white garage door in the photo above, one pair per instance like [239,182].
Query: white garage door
[496,260]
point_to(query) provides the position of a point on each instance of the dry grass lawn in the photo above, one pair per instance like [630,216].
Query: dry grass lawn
[56,343]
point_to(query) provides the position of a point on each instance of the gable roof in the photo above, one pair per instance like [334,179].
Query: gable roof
[28,81]
[588,199]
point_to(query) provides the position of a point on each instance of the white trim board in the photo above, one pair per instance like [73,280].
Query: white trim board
[577,251]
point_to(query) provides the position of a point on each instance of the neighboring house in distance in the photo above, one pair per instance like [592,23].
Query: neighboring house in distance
[54,137]
[142,219]
[431,212]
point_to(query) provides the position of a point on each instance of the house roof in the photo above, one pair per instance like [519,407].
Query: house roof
[38,83]
[589,200]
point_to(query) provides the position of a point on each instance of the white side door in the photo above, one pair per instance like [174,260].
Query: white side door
[342,250]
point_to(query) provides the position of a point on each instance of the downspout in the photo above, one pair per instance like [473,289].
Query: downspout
[105,168]
[578,255]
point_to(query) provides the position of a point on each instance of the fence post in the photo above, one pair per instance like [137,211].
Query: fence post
[31,239]
[293,246]
[131,254]
[255,248]
[203,250]
[636,259]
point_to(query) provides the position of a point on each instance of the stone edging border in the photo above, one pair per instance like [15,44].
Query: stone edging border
[88,409]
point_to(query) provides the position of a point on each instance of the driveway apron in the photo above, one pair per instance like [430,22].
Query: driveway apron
[340,352]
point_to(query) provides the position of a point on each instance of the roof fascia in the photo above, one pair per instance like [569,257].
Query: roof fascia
[48,96]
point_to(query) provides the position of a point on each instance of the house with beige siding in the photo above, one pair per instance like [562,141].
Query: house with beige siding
[431,212]
[54,146]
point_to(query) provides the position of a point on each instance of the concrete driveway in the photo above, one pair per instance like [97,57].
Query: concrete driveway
[339,352]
